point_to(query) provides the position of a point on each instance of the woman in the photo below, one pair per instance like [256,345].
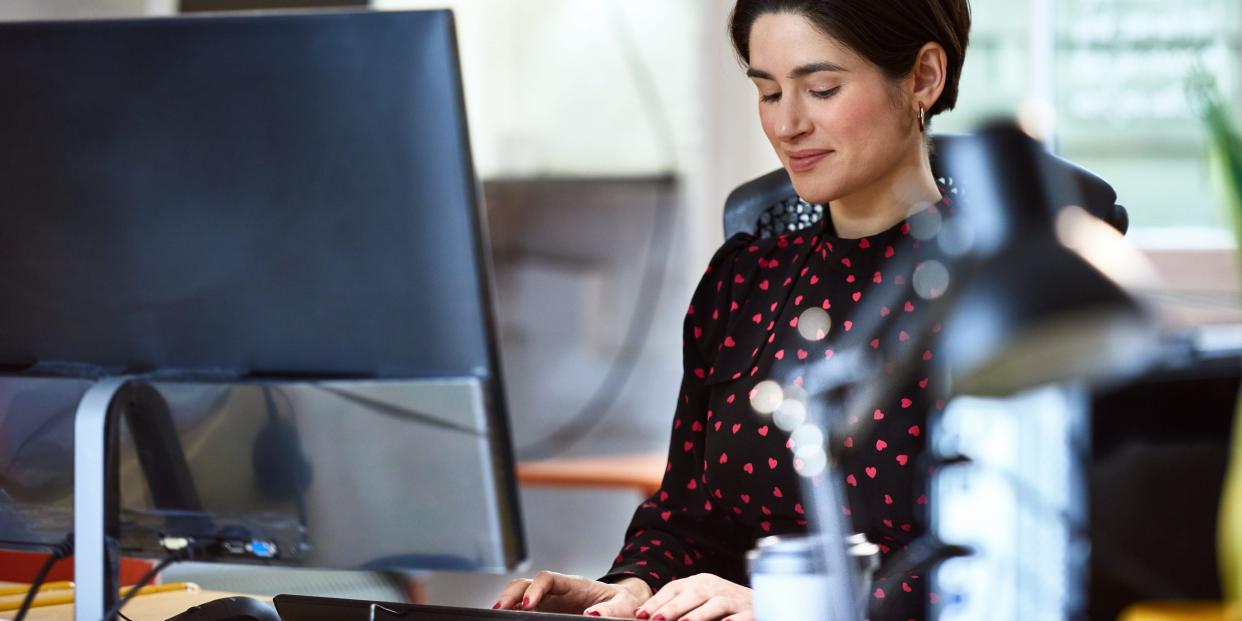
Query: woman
[845,89]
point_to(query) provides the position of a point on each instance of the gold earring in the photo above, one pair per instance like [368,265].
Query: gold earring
[922,119]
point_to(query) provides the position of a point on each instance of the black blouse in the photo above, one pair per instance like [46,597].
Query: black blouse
[731,477]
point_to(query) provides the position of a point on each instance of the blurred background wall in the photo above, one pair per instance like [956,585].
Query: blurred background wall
[609,132]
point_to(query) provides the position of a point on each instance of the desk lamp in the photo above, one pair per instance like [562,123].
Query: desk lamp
[1019,308]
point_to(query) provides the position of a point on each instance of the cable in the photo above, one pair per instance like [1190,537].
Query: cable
[58,552]
[183,554]
[146,578]
[622,366]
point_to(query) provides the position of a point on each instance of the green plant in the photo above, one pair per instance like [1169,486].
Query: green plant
[1225,157]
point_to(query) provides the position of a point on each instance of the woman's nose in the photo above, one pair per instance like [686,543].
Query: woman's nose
[792,122]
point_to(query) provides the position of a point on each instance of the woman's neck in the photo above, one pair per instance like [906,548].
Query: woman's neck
[891,199]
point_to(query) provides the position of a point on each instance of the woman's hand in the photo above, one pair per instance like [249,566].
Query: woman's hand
[552,592]
[702,597]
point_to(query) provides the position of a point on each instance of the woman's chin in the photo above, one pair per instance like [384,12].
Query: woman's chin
[814,196]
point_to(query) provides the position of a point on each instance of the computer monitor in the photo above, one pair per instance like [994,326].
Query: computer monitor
[273,223]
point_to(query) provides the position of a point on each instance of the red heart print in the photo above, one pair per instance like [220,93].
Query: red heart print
[749,468]
[776,491]
[905,403]
[871,472]
[687,446]
[914,431]
[880,445]
[746,499]
[857,296]
[764,285]
[763,431]
[724,458]
[851,480]
[736,426]
[729,342]
[772,463]
[666,515]
[902,459]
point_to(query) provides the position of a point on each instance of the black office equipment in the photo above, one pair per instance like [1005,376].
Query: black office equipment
[263,235]
[300,608]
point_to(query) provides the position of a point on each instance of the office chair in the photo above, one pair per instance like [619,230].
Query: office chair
[769,206]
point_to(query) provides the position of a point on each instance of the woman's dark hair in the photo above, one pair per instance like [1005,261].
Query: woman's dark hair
[889,33]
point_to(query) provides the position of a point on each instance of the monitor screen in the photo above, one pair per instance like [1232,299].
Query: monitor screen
[260,196]
[273,220]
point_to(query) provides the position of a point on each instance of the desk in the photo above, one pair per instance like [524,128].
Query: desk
[154,607]
[641,472]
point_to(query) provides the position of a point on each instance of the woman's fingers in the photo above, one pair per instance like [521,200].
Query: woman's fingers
[687,599]
[713,609]
[512,594]
[622,605]
[546,583]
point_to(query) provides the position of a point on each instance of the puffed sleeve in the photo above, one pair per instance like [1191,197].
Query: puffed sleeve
[676,532]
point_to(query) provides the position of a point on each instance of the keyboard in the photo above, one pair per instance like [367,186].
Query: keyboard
[306,608]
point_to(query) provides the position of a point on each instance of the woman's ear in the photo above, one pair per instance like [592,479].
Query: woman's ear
[929,73]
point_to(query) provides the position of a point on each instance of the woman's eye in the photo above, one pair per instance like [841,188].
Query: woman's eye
[770,98]
[825,94]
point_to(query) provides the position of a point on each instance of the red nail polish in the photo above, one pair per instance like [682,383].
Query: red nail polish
[525,602]
[593,613]
[642,614]
[496,605]
[658,618]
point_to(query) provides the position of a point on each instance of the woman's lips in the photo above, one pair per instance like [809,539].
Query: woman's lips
[802,161]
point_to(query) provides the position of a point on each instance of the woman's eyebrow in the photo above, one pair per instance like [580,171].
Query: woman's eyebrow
[799,71]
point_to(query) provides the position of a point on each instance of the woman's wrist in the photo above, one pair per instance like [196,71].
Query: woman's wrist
[636,586]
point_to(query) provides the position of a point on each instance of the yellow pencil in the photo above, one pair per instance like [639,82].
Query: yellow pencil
[13,602]
[47,586]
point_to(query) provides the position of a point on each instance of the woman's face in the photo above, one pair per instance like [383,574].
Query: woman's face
[838,124]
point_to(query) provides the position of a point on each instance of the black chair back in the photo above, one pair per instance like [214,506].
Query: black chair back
[768,205]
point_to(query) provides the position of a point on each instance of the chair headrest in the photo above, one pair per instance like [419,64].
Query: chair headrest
[748,202]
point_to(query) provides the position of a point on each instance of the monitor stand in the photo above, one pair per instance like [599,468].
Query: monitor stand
[96,501]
